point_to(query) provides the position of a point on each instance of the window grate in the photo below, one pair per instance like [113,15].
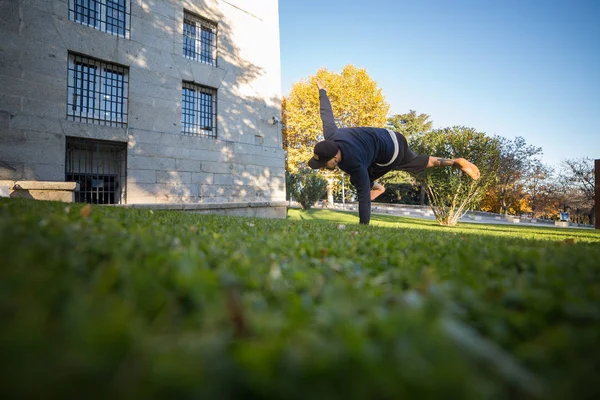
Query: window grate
[97,92]
[112,16]
[100,168]
[198,110]
[199,39]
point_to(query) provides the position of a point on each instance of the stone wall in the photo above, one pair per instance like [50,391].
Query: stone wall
[245,163]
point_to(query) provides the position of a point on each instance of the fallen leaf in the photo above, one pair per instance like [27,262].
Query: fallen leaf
[341,226]
[193,228]
[569,241]
[86,211]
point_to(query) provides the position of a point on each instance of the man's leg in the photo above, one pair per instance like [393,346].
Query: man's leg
[376,190]
[459,163]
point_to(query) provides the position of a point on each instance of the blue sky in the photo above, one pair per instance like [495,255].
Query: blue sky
[511,68]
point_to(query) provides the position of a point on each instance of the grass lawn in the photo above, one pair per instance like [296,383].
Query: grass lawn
[139,304]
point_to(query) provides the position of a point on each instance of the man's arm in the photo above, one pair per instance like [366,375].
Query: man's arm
[326,111]
[361,182]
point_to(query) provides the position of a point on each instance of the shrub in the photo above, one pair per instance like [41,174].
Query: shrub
[306,187]
[451,192]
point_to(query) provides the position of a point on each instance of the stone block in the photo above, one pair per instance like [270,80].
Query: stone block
[11,171]
[173,177]
[45,185]
[154,163]
[93,131]
[50,172]
[202,178]
[141,176]
[44,190]
[188,165]
[217,167]
[144,136]
[562,224]
[48,195]
[34,123]
[145,150]
[223,179]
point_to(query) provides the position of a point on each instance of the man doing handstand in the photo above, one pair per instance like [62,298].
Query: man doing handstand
[367,154]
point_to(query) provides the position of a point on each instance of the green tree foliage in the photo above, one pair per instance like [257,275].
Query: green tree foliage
[306,186]
[409,124]
[451,192]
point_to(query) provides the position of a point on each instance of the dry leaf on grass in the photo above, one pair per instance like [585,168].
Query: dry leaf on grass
[86,211]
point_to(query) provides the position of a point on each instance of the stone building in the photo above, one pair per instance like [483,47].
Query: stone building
[163,103]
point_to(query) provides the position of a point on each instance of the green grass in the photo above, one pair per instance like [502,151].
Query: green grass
[133,303]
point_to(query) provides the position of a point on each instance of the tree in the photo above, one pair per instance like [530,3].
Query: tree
[306,186]
[578,175]
[451,192]
[356,101]
[517,162]
[409,124]
[540,189]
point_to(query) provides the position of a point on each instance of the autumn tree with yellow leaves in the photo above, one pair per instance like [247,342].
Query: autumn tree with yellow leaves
[356,101]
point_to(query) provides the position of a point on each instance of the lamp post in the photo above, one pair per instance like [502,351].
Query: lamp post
[344,193]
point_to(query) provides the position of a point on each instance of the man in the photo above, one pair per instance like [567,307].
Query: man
[367,154]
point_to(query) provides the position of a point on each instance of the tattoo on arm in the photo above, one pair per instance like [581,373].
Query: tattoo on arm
[443,162]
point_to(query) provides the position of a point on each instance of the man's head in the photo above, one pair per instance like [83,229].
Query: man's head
[325,153]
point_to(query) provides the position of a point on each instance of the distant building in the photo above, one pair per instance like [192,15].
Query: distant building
[145,102]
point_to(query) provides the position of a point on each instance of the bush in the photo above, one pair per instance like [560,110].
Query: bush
[306,187]
[451,192]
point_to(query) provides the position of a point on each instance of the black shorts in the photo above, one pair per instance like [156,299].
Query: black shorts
[407,161]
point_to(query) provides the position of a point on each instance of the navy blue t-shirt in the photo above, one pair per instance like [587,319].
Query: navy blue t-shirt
[361,147]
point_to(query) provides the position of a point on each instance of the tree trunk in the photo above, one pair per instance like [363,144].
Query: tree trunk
[422,197]
[330,191]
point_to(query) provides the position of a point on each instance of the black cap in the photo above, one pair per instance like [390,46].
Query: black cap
[324,151]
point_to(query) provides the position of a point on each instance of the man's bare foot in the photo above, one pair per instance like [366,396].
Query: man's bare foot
[467,167]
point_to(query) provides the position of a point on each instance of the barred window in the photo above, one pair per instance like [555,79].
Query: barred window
[97,92]
[198,110]
[199,39]
[110,16]
[100,168]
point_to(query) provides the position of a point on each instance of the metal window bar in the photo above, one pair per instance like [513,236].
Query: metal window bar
[198,110]
[100,168]
[97,92]
[112,16]
[199,39]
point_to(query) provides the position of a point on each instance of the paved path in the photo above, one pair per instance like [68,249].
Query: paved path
[476,217]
